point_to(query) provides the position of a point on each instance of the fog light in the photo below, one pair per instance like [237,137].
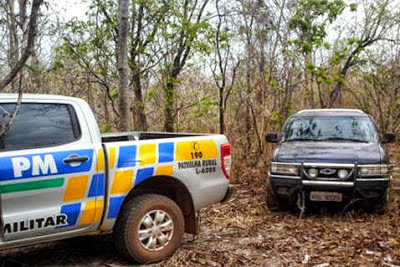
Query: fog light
[312,173]
[343,174]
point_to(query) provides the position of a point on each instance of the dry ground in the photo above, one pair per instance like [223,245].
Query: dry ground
[243,232]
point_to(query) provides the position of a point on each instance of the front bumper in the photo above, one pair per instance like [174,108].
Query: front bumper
[367,188]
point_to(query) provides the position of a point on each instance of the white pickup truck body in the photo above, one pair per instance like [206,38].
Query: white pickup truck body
[59,177]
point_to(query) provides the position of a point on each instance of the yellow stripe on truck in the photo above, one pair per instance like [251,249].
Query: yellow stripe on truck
[100,161]
[99,210]
[147,154]
[76,188]
[111,156]
[193,150]
[92,212]
[122,182]
[164,170]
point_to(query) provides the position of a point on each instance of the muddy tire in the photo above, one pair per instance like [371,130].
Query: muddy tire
[149,229]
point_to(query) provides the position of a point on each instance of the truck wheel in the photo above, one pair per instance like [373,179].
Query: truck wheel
[149,228]
[272,199]
[380,205]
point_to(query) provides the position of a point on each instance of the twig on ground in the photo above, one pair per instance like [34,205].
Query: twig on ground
[301,205]
[196,236]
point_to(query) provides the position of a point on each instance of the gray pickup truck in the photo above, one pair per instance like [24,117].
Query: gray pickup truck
[59,178]
[329,155]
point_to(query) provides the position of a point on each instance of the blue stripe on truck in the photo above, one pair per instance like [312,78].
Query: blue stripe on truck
[127,156]
[166,152]
[97,185]
[115,205]
[143,174]
[43,164]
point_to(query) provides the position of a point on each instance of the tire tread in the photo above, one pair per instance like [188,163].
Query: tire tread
[128,214]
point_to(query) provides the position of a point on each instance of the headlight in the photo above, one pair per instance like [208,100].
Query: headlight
[312,173]
[373,170]
[343,174]
[283,168]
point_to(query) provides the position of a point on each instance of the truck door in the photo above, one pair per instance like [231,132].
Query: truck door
[48,172]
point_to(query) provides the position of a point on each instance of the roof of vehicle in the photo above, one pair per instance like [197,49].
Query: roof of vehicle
[330,112]
[37,97]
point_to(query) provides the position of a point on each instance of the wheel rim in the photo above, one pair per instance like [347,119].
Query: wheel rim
[155,230]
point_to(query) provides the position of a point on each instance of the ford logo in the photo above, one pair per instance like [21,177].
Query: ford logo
[327,171]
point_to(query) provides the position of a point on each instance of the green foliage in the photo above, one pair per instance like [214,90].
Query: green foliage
[338,56]
[183,30]
[114,94]
[205,106]
[311,18]
[171,80]
[151,95]
[90,43]
[276,119]
[353,7]
[105,127]
[327,46]
[320,73]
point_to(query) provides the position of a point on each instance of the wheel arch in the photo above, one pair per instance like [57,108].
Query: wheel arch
[174,189]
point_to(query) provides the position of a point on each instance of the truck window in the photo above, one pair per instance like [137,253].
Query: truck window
[40,125]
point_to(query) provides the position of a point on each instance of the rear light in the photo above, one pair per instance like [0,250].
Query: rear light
[226,159]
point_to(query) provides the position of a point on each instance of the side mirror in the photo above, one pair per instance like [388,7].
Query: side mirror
[271,138]
[388,138]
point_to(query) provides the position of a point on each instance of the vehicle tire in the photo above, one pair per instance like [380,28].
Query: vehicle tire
[380,204]
[274,203]
[150,228]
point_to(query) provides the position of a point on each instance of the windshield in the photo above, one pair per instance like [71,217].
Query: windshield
[323,128]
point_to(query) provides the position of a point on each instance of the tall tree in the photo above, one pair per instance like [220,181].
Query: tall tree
[123,69]
[180,35]
[379,19]
[223,56]
[310,20]
[146,20]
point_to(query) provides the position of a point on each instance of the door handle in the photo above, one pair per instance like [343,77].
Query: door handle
[75,159]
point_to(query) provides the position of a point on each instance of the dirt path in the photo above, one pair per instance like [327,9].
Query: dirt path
[243,232]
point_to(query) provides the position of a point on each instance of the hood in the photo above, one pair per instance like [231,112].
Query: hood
[329,152]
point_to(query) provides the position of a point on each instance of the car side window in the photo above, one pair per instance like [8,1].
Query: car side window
[40,125]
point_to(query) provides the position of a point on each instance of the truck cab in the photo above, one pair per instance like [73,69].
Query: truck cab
[60,177]
[328,155]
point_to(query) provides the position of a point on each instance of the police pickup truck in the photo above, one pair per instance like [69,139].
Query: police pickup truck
[59,178]
[329,155]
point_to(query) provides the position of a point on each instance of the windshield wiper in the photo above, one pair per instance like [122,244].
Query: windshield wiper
[343,139]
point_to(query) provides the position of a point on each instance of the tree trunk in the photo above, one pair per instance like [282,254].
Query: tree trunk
[221,111]
[13,53]
[169,107]
[122,55]
[309,82]
[106,109]
[140,120]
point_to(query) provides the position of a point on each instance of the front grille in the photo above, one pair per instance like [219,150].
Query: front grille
[328,172]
